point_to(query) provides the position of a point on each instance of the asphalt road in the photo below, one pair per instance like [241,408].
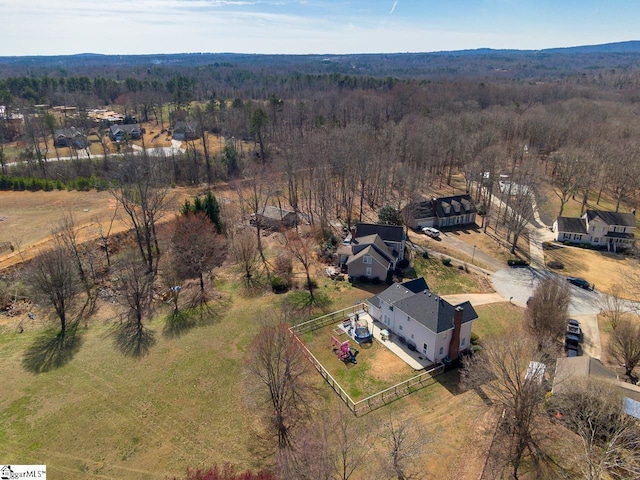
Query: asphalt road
[518,284]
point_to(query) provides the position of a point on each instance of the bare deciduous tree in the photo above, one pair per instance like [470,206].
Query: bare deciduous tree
[55,278]
[66,233]
[143,198]
[624,344]
[197,248]
[244,248]
[402,444]
[302,249]
[609,438]
[330,447]
[277,361]
[501,369]
[613,307]
[134,287]
[547,309]
[567,175]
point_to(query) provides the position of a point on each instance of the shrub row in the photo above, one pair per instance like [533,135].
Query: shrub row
[37,184]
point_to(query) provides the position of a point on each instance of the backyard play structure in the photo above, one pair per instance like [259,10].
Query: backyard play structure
[358,328]
[344,350]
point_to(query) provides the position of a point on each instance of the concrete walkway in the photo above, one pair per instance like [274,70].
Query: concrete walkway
[591,345]
[415,360]
[475,298]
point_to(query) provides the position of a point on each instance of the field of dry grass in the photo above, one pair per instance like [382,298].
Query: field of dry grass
[609,272]
[29,217]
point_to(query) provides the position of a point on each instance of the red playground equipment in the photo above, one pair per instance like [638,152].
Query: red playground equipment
[344,350]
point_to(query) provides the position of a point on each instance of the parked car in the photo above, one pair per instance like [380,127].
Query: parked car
[572,342]
[580,282]
[573,328]
[432,232]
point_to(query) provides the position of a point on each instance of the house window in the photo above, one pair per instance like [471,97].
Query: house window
[408,318]
[424,348]
[596,240]
[391,307]
[463,341]
[441,350]
[366,259]
[368,272]
[399,327]
[412,336]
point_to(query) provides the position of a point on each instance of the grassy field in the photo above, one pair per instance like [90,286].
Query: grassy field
[29,217]
[104,415]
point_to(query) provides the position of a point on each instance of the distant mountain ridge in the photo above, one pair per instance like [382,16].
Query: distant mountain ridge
[482,63]
[630,46]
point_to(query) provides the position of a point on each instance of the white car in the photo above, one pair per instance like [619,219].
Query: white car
[432,232]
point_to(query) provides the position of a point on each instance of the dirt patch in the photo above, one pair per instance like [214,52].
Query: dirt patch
[386,365]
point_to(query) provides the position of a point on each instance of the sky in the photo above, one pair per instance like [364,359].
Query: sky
[61,27]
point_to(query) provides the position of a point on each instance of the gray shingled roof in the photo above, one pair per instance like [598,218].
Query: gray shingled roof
[434,312]
[458,205]
[376,241]
[388,233]
[416,285]
[613,218]
[275,213]
[370,250]
[423,305]
[127,128]
[571,225]
[394,293]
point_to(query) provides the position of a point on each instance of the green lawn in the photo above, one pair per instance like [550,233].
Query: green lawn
[497,318]
[377,368]
[446,280]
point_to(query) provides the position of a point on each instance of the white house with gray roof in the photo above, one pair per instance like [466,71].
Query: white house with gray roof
[611,230]
[424,320]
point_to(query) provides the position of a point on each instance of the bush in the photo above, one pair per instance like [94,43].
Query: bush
[279,284]
[425,255]
[517,262]
[555,265]
[446,261]
[475,339]
[363,279]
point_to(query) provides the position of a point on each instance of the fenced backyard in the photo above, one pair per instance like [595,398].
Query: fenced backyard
[372,401]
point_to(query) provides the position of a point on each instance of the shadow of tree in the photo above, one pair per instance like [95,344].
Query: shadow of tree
[133,339]
[180,322]
[51,351]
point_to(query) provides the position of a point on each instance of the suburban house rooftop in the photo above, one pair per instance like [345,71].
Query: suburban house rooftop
[388,233]
[423,305]
[571,224]
[612,218]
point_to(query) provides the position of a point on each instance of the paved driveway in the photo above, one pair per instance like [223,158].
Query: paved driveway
[518,285]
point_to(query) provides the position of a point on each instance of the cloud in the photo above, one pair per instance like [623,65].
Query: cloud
[393,7]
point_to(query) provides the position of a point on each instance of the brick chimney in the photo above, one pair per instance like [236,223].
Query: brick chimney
[454,344]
